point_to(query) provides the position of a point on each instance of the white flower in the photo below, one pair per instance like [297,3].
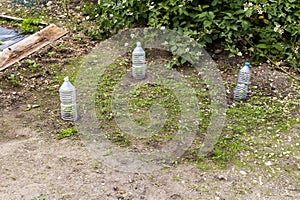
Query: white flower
[165,43]
[281,31]
[152,3]
[278,29]
[151,7]
[162,28]
[296,49]
[268,163]
[132,35]
[239,54]
[187,49]
[199,53]
[87,17]
[180,6]
[111,15]
[126,44]
[247,6]
[260,12]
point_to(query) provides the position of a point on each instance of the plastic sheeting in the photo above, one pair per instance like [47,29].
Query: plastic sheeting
[30,3]
[9,37]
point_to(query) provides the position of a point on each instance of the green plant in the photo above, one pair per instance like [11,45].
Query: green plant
[13,79]
[32,65]
[39,197]
[29,26]
[267,30]
[67,133]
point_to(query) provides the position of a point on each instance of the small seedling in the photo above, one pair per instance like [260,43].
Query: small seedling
[67,133]
[29,26]
[12,78]
[40,197]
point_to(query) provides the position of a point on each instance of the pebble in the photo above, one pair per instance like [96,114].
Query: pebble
[49,3]
[222,177]
[243,172]
[268,163]
[218,51]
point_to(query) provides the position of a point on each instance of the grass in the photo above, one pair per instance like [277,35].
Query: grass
[252,125]
[256,130]
[39,197]
[64,133]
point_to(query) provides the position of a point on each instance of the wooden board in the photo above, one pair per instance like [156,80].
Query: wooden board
[17,18]
[29,45]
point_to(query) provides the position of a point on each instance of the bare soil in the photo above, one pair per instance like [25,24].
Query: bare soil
[33,163]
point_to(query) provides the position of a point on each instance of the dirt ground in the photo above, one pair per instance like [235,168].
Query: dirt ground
[35,165]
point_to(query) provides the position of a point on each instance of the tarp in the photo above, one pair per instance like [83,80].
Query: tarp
[30,3]
[9,37]
[28,45]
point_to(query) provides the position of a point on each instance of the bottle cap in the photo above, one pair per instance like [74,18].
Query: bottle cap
[138,44]
[67,85]
[66,78]
[247,64]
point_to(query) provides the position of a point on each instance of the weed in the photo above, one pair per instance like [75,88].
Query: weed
[29,26]
[13,79]
[67,133]
[39,197]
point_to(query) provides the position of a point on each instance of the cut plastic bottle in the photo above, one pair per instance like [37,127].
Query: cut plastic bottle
[138,62]
[67,93]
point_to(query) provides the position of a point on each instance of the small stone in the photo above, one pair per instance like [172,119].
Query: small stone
[35,106]
[243,172]
[222,177]
[49,3]
[268,163]
[122,192]
[218,51]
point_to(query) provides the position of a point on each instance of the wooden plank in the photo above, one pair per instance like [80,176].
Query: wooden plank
[17,18]
[29,45]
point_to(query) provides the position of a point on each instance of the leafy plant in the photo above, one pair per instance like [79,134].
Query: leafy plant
[29,26]
[13,79]
[40,197]
[67,133]
[267,30]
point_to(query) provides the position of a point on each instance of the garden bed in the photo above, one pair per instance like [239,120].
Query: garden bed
[42,157]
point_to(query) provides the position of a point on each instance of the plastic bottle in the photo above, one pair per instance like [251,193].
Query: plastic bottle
[241,90]
[138,62]
[67,93]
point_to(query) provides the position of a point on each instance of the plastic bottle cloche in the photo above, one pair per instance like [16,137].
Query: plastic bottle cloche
[67,93]
[241,90]
[138,62]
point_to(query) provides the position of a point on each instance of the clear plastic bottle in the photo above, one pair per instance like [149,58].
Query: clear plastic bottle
[67,93]
[138,62]
[241,90]
[245,74]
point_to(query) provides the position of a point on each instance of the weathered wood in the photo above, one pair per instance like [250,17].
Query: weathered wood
[17,19]
[29,45]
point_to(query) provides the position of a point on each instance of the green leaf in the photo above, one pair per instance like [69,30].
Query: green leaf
[262,46]
[201,15]
[207,24]
[207,39]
